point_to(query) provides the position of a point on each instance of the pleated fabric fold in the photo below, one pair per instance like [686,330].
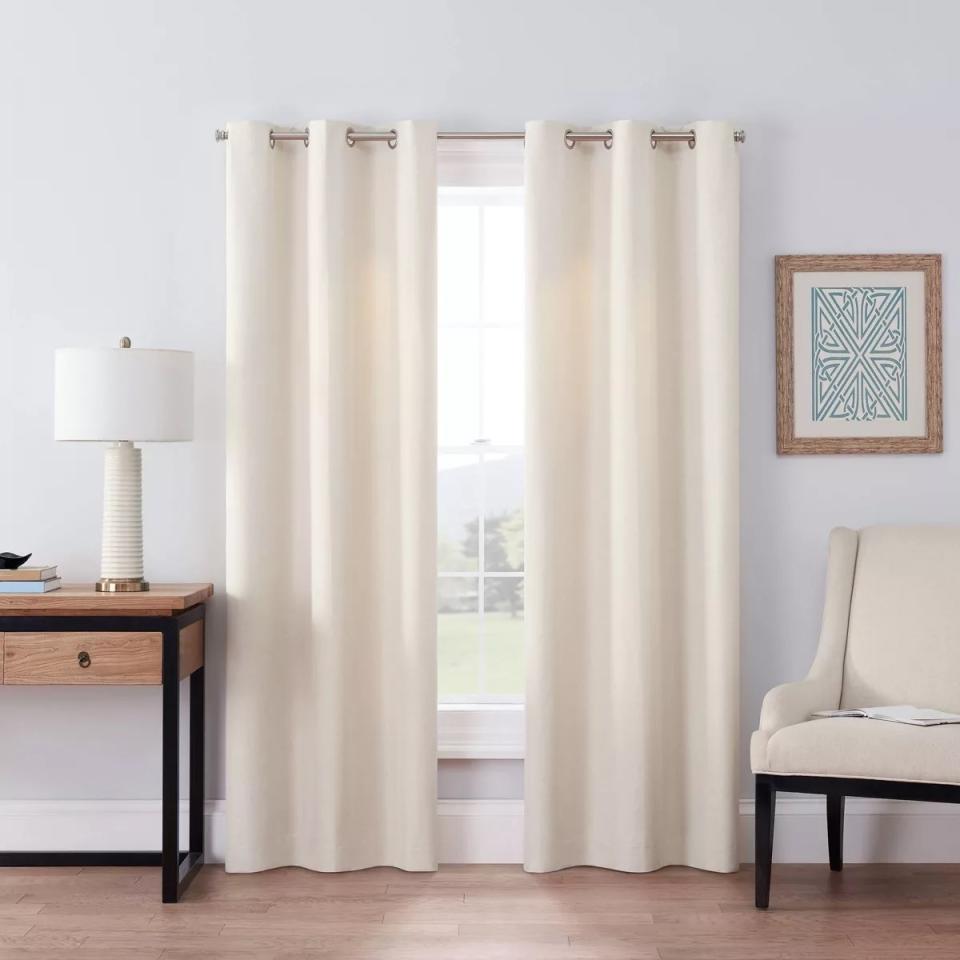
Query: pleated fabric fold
[331,500]
[632,500]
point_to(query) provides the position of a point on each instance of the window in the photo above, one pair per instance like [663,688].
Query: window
[480,431]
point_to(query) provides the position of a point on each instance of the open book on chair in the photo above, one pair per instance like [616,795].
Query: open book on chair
[915,716]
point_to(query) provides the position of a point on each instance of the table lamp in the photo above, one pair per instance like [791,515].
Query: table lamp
[120,396]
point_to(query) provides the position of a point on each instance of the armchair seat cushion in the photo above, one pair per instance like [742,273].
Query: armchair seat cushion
[866,749]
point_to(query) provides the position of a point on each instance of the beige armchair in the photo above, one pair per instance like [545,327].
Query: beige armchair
[890,635]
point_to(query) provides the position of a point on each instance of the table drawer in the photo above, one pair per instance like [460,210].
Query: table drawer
[82,657]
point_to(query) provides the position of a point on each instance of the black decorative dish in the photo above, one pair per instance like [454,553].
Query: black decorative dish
[10,561]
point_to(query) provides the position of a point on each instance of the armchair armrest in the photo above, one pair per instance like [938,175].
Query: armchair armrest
[792,703]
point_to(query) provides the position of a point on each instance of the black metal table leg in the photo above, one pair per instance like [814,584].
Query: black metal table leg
[197,739]
[179,869]
[170,792]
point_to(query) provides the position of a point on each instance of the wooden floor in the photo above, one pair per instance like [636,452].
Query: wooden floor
[478,912]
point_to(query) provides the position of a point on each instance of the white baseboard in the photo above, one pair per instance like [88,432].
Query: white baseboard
[100,825]
[875,831]
[480,831]
[491,831]
[470,831]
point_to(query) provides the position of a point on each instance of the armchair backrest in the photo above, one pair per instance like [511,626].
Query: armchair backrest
[903,638]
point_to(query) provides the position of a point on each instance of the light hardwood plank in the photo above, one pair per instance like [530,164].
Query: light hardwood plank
[897,912]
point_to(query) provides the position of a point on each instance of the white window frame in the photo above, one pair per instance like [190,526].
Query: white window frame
[489,730]
[480,731]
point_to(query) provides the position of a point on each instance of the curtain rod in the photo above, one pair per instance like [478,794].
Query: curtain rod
[571,138]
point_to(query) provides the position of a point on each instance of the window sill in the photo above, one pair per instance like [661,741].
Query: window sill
[480,731]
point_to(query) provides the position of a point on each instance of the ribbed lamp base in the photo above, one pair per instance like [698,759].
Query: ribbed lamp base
[121,558]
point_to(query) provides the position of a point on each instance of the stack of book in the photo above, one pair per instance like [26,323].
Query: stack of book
[29,580]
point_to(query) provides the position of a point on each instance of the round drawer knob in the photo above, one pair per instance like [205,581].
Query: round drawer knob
[83,658]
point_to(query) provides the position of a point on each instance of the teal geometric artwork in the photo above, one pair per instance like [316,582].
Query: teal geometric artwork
[859,353]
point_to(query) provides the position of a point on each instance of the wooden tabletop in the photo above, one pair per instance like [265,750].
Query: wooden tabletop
[162,599]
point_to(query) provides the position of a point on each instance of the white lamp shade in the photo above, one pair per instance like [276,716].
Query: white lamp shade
[123,394]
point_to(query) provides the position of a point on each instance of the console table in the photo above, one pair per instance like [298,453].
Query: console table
[75,635]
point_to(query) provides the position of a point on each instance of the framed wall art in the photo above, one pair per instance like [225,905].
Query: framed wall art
[859,366]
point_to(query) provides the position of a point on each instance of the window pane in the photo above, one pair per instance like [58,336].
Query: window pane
[458,264]
[503,394]
[458,513]
[503,264]
[458,379]
[503,512]
[503,636]
[458,637]
[480,356]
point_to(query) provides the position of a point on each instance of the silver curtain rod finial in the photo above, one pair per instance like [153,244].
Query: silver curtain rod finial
[221,135]
[739,136]
[125,343]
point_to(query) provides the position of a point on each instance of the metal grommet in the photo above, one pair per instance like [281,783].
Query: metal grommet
[273,143]
[392,142]
[608,143]
[653,139]
[349,137]
[692,142]
[568,139]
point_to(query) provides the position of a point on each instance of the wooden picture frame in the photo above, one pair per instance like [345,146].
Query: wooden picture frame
[881,396]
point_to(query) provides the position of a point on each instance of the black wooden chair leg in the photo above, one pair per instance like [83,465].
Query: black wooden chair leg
[765,808]
[835,804]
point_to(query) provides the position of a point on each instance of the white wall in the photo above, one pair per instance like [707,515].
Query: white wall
[111,222]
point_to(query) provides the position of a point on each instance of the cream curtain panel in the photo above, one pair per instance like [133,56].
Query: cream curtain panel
[632,500]
[331,522]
